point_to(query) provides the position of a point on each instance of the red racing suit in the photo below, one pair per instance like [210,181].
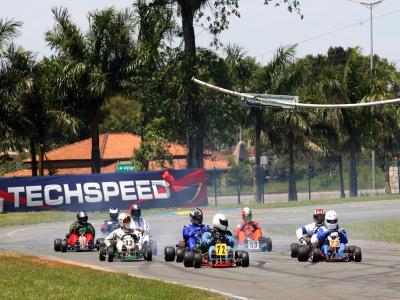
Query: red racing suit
[250,230]
[76,229]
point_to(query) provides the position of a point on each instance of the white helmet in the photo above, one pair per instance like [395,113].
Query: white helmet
[220,222]
[331,220]
[124,220]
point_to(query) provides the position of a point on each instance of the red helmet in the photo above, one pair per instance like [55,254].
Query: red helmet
[319,216]
[247,215]
[135,211]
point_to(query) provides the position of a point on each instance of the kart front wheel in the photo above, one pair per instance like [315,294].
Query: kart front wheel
[197,259]
[294,250]
[64,246]
[188,258]
[169,253]
[357,254]
[57,245]
[302,254]
[99,241]
[102,253]
[315,255]
[179,254]
[245,259]
[110,254]
[149,253]
[269,244]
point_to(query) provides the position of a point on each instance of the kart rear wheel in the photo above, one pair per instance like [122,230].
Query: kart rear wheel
[245,259]
[197,259]
[102,252]
[238,257]
[294,250]
[110,254]
[57,245]
[169,253]
[64,246]
[302,254]
[179,254]
[188,258]
[315,255]
[357,254]
[149,253]
[269,244]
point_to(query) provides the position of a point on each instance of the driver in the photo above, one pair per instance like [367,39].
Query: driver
[248,229]
[219,233]
[117,235]
[110,225]
[81,227]
[331,228]
[305,232]
[138,223]
[194,231]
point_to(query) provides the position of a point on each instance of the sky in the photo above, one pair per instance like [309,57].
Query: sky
[259,31]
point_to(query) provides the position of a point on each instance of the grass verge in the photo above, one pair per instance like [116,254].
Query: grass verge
[27,277]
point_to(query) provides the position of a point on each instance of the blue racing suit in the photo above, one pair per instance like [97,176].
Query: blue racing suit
[191,233]
[210,238]
[109,226]
[322,236]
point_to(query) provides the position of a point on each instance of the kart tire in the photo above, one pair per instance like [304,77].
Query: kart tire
[315,255]
[169,253]
[357,254]
[153,245]
[238,257]
[197,260]
[102,252]
[303,253]
[269,244]
[64,246]
[110,254]
[149,253]
[57,245]
[179,254]
[245,259]
[99,241]
[294,250]
[188,258]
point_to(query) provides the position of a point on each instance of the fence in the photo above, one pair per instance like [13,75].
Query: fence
[317,179]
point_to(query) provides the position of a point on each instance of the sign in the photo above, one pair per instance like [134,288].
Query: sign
[125,167]
[99,192]
[286,101]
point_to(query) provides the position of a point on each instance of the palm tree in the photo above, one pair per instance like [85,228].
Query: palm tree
[97,64]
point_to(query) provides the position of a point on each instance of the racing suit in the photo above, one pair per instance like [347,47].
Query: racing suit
[118,235]
[307,230]
[322,236]
[210,238]
[109,226]
[144,228]
[191,233]
[250,230]
[76,229]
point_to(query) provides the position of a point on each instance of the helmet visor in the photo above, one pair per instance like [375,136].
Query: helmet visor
[136,214]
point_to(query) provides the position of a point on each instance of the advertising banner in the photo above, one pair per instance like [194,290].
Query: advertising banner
[98,192]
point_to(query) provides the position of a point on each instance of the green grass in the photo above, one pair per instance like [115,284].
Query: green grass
[26,277]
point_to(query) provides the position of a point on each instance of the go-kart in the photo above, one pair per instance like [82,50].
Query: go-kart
[129,250]
[80,245]
[350,253]
[262,244]
[170,253]
[153,245]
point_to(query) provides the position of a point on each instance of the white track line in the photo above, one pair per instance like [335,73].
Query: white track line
[11,233]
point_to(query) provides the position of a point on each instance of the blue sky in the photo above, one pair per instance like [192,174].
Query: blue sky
[260,30]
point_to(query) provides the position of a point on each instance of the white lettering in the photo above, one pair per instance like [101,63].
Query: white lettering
[31,195]
[110,189]
[47,198]
[70,193]
[93,192]
[127,190]
[157,194]
[16,191]
[143,186]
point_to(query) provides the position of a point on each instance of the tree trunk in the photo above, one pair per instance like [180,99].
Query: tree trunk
[388,189]
[353,171]
[258,154]
[292,196]
[96,160]
[341,181]
[32,148]
[41,159]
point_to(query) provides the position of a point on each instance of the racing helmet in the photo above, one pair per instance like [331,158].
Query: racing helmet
[331,220]
[82,217]
[135,211]
[247,215]
[220,222]
[124,220]
[319,216]
[196,216]
[114,213]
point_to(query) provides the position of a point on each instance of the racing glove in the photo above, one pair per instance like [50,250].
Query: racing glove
[67,236]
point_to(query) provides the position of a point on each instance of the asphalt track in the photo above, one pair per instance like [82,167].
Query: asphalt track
[272,275]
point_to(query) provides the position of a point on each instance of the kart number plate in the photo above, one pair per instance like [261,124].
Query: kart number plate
[334,243]
[220,249]
[128,241]
[253,245]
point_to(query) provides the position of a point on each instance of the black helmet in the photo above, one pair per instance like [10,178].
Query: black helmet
[114,213]
[196,216]
[82,217]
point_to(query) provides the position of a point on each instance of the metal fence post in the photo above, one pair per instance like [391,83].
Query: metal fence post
[309,181]
[215,187]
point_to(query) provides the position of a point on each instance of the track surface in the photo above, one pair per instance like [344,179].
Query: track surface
[271,275]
